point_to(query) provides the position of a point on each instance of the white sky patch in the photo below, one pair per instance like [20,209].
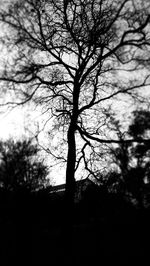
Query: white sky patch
[12,124]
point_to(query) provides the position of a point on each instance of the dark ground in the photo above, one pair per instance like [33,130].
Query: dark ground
[33,234]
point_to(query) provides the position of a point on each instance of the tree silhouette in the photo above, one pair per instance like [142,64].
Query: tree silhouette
[70,57]
[133,158]
[20,168]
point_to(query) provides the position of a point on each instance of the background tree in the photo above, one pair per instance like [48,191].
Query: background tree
[133,158]
[20,167]
[76,58]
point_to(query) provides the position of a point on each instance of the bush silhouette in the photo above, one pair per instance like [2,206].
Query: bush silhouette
[20,167]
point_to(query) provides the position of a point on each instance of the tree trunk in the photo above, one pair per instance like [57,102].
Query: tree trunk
[70,171]
[69,196]
[70,178]
[71,157]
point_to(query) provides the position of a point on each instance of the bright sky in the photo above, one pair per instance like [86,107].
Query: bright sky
[12,124]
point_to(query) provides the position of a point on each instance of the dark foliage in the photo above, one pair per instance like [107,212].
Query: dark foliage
[141,123]
[20,167]
[133,161]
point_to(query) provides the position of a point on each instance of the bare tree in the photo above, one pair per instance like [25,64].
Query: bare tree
[76,58]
